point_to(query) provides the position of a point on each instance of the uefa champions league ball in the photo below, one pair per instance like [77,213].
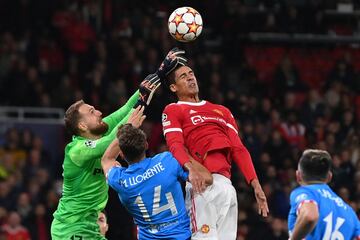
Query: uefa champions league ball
[185,24]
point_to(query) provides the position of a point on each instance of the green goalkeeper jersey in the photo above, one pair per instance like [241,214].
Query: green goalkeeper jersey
[85,191]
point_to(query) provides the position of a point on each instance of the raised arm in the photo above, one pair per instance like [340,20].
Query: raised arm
[242,158]
[142,97]
[108,160]
[122,113]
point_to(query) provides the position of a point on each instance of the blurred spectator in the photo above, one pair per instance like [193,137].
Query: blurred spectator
[342,73]
[347,125]
[251,140]
[24,207]
[312,108]
[13,229]
[270,23]
[278,230]
[117,93]
[79,35]
[26,139]
[34,163]
[13,148]
[354,147]
[286,78]
[264,113]
[291,20]
[66,90]
[274,230]
[3,216]
[339,173]
[277,148]
[293,131]
[39,223]
[6,196]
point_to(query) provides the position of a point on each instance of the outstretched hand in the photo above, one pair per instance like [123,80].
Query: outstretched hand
[196,178]
[147,89]
[174,58]
[263,208]
[137,117]
[197,181]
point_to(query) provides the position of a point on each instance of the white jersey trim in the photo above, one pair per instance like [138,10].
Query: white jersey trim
[108,172]
[192,103]
[172,130]
[232,127]
[302,203]
[110,169]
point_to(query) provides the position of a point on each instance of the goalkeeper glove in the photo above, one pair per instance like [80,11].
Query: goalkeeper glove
[147,89]
[174,58]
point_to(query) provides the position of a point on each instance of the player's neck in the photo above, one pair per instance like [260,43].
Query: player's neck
[312,182]
[138,159]
[90,136]
[193,98]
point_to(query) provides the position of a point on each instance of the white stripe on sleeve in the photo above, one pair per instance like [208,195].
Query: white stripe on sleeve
[232,127]
[172,130]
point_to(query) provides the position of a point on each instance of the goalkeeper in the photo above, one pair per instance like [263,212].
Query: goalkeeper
[85,192]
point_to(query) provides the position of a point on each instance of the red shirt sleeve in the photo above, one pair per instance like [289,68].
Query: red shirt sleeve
[172,129]
[239,153]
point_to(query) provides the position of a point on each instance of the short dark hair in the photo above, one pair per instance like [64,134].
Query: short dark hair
[170,79]
[315,165]
[72,117]
[132,142]
[104,212]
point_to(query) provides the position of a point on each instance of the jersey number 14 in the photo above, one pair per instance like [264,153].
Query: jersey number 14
[156,209]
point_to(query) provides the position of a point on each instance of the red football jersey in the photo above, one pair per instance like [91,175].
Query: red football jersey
[198,128]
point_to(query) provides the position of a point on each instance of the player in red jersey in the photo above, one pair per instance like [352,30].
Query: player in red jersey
[197,130]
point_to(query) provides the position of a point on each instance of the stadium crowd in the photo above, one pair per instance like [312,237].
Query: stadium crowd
[285,98]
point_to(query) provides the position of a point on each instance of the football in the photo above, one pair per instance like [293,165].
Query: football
[185,24]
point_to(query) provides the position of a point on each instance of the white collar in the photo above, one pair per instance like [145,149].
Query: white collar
[192,103]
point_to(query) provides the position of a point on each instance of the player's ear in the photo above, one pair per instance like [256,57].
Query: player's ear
[172,88]
[146,146]
[329,177]
[106,227]
[298,176]
[121,155]
[82,126]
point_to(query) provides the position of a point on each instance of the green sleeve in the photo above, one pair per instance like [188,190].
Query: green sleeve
[113,119]
[84,151]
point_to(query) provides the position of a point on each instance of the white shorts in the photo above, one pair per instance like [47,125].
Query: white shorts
[213,213]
